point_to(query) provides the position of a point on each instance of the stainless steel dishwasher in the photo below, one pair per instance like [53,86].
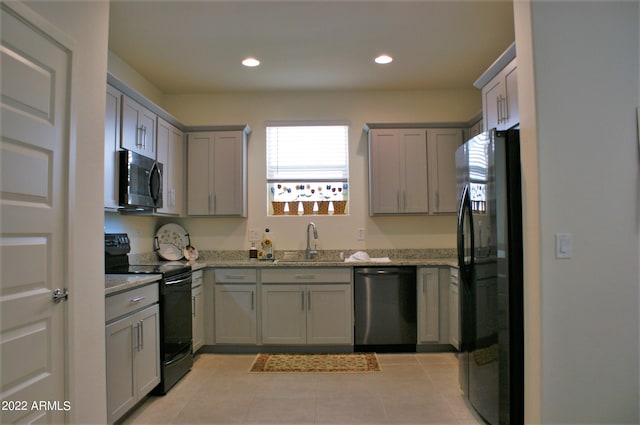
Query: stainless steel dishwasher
[385,309]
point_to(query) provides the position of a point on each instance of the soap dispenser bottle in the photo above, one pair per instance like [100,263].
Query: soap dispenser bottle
[267,244]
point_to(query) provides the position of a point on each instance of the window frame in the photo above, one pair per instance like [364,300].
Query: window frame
[327,195]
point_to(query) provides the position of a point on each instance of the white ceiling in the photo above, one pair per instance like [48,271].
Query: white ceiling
[196,47]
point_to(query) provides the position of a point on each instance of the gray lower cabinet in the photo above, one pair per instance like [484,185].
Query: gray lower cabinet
[197,310]
[236,306]
[307,307]
[132,348]
[428,304]
[437,307]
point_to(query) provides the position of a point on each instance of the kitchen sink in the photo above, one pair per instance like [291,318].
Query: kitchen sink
[306,261]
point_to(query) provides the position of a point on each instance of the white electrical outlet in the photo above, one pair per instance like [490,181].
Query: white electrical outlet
[253,235]
[360,234]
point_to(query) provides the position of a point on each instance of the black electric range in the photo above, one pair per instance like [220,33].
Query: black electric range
[116,259]
[176,350]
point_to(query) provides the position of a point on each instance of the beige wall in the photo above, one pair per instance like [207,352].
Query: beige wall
[578,75]
[357,108]
[125,73]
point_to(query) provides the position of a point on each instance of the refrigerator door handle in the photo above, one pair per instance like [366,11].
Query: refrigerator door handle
[464,212]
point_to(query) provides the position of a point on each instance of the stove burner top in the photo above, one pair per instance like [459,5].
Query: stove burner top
[116,259]
[166,270]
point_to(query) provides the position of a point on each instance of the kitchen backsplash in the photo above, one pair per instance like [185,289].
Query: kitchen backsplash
[238,255]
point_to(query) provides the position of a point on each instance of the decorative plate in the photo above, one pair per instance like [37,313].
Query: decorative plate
[171,240]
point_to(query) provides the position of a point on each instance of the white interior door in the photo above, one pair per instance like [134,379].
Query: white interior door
[34,159]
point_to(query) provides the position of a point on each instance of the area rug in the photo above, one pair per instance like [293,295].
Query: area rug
[347,362]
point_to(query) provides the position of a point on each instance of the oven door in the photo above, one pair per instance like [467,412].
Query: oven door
[176,317]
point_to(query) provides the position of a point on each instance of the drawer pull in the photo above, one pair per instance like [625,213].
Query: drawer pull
[234,276]
[136,300]
[306,276]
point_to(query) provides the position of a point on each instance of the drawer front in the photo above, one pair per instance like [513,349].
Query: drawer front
[235,275]
[307,275]
[196,279]
[126,302]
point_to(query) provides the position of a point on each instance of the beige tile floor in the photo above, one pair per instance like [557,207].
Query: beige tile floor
[417,388]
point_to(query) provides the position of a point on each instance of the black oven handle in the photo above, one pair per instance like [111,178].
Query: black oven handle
[183,281]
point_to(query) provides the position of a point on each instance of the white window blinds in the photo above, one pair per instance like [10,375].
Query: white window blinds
[308,153]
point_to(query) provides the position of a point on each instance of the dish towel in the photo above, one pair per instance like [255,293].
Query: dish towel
[361,256]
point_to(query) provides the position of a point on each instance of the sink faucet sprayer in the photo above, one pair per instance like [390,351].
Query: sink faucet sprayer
[311,253]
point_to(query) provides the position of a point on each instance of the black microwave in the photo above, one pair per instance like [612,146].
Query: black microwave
[140,182]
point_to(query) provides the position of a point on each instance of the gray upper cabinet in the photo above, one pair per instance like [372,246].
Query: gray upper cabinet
[442,146]
[171,154]
[412,170]
[138,128]
[398,176]
[217,173]
[499,85]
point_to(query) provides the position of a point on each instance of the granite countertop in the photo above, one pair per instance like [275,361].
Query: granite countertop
[288,259]
[330,263]
[114,283]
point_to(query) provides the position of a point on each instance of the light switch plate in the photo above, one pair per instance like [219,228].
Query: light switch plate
[564,245]
[360,234]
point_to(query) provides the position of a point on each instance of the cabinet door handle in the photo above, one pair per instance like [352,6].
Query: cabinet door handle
[499,108]
[136,300]
[506,108]
[302,299]
[193,306]
[309,301]
[252,300]
[139,131]
[141,335]
[305,276]
[136,337]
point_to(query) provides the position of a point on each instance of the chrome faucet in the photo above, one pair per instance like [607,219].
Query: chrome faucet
[311,253]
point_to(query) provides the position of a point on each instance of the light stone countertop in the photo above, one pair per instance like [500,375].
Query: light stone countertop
[114,283]
[451,262]
[231,259]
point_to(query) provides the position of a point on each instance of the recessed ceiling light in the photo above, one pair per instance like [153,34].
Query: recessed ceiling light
[383,59]
[251,62]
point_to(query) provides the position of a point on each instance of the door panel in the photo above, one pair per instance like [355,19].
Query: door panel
[385,184]
[227,174]
[34,147]
[415,197]
[329,317]
[284,314]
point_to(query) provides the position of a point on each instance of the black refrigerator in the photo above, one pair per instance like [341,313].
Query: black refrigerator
[491,278]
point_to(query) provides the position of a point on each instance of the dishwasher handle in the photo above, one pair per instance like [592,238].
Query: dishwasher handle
[384,272]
